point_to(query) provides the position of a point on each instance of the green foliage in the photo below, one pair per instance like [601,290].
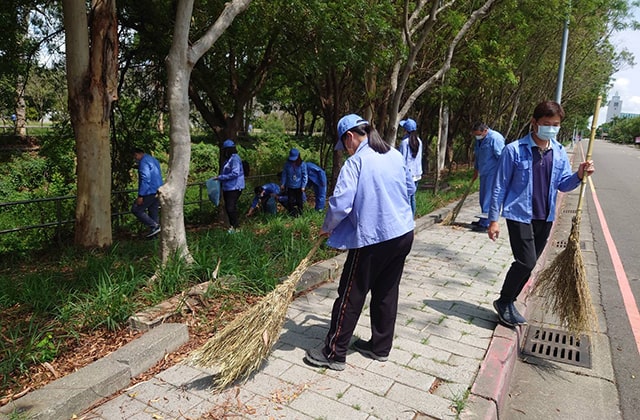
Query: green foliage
[204,161]
[622,130]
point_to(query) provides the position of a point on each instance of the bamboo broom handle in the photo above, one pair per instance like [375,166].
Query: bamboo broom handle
[592,136]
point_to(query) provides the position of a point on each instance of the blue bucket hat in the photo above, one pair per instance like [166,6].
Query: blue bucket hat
[294,154]
[345,124]
[409,124]
[228,143]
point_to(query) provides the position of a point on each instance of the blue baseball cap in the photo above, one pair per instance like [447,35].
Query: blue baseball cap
[294,154]
[409,124]
[345,124]
[228,143]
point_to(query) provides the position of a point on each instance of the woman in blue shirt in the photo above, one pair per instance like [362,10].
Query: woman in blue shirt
[411,150]
[294,181]
[530,173]
[370,215]
[231,180]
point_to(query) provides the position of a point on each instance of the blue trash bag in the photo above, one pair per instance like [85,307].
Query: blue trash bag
[213,190]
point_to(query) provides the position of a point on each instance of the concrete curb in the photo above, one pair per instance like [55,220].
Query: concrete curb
[74,393]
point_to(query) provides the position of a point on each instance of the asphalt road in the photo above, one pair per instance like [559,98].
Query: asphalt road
[617,189]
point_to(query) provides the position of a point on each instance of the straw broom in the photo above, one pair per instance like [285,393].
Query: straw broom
[451,217]
[563,284]
[241,346]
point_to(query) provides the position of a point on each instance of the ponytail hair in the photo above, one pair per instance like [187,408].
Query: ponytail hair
[375,141]
[414,143]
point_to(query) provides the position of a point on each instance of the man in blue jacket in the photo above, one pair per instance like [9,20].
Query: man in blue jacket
[531,172]
[146,206]
[265,195]
[317,177]
[488,148]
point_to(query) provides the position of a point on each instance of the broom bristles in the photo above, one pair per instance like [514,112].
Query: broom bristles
[241,346]
[564,288]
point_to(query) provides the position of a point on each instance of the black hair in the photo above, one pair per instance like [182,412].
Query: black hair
[548,109]
[258,190]
[227,152]
[414,143]
[138,150]
[375,141]
[479,126]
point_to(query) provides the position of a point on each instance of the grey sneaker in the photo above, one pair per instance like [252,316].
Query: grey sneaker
[520,320]
[315,357]
[505,313]
[364,348]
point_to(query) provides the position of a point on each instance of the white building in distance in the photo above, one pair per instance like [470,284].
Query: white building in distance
[614,107]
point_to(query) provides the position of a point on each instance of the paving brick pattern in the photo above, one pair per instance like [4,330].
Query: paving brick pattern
[445,325]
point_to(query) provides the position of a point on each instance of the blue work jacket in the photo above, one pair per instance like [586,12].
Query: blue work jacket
[316,174]
[149,175]
[269,189]
[294,176]
[513,188]
[232,175]
[370,202]
[413,163]
[487,152]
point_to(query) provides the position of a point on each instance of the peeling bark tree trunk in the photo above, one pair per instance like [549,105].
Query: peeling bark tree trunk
[92,66]
[182,58]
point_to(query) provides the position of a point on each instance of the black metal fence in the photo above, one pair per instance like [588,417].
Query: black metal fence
[52,216]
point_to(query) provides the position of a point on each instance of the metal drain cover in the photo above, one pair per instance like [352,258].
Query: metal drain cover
[559,346]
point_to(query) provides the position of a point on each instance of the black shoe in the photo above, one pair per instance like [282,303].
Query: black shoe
[520,320]
[315,357]
[475,223]
[364,348]
[505,313]
[154,232]
[478,228]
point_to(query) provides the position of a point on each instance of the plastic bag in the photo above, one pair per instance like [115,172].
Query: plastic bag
[213,190]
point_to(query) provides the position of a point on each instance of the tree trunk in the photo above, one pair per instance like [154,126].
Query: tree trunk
[180,62]
[92,65]
[21,110]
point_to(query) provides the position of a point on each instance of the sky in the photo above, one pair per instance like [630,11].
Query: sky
[626,82]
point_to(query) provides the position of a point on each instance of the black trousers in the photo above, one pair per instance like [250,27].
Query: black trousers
[294,201]
[527,243]
[231,206]
[376,268]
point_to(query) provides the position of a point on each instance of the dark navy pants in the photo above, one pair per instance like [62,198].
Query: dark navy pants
[527,243]
[376,268]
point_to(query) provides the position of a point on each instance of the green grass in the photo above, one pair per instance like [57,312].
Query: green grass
[50,296]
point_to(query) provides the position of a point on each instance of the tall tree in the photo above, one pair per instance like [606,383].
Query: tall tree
[92,66]
[182,58]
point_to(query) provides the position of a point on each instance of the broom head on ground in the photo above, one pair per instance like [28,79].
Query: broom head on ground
[564,289]
[241,346]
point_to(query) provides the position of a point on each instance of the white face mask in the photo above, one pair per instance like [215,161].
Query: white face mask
[479,137]
[547,132]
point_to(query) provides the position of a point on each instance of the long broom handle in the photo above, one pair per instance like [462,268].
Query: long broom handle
[592,136]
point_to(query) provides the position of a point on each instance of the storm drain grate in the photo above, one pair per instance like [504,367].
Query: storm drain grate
[563,244]
[559,346]
[570,211]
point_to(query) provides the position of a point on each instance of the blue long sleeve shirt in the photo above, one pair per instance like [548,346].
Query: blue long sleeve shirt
[513,189]
[487,152]
[370,202]
[294,176]
[232,174]
[316,174]
[149,175]
[269,189]
[413,163]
